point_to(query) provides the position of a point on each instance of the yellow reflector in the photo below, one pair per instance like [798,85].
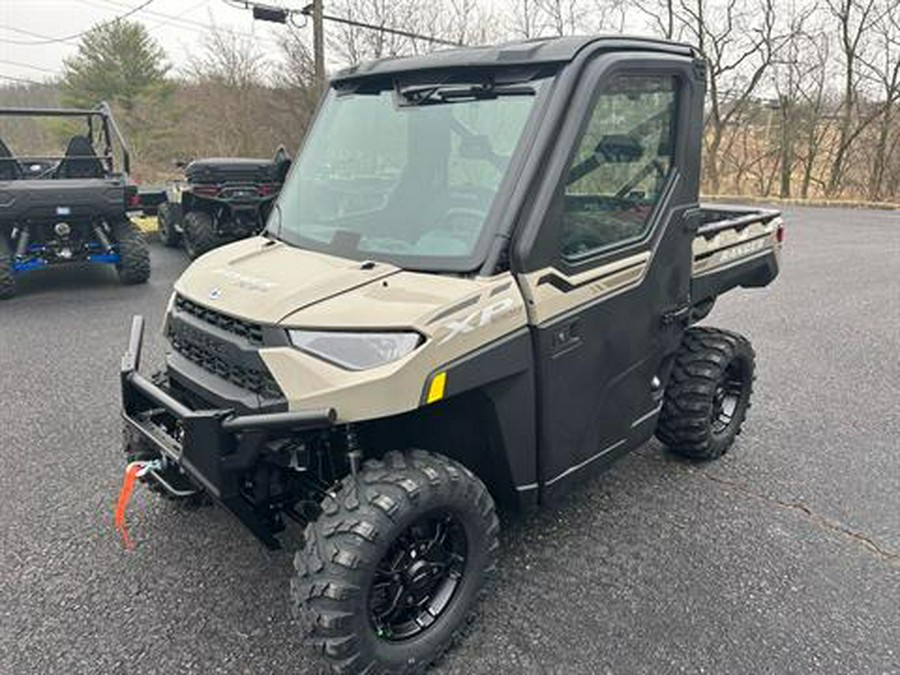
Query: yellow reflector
[436,390]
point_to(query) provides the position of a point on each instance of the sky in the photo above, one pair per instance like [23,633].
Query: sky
[177,25]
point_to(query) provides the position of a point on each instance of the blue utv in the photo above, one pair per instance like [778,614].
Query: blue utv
[70,208]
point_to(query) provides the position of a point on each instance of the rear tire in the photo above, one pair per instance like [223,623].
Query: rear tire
[199,233]
[390,572]
[708,394]
[7,278]
[134,256]
[167,217]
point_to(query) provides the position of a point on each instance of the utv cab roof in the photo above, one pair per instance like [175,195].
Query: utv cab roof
[536,51]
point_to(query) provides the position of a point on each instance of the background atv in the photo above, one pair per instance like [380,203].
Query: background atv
[69,208]
[221,200]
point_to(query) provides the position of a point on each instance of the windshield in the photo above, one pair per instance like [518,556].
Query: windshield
[406,176]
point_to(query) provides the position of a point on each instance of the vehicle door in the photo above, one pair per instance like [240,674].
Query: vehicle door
[607,277]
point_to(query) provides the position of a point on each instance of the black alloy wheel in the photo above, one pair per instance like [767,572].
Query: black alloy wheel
[417,579]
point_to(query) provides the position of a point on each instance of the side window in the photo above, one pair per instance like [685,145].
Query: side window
[622,164]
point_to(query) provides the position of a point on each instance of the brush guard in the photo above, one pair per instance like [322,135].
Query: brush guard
[212,447]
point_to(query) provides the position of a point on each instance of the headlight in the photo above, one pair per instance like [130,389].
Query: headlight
[355,351]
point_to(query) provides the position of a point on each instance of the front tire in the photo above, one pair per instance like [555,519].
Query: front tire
[199,233]
[167,217]
[134,256]
[708,394]
[391,571]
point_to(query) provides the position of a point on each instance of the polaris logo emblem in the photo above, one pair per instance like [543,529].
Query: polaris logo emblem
[478,319]
[246,281]
[215,294]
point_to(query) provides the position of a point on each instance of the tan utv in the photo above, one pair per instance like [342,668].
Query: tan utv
[477,286]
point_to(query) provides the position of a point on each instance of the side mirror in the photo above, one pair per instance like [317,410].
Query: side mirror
[180,163]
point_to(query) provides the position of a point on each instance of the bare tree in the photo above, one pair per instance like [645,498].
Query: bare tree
[793,74]
[227,88]
[296,89]
[739,43]
[855,19]
[882,70]
[661,15]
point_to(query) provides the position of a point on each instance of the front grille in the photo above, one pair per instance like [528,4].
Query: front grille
[234,359]
[252,379]
[252,332]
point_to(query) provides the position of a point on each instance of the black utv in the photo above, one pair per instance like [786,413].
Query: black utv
[69,208]
[221,200]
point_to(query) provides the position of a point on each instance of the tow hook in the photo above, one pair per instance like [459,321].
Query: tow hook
[148,466]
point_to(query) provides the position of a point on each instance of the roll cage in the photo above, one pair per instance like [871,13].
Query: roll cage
[101,131]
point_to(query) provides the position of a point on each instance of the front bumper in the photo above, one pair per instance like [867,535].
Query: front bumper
[213,447]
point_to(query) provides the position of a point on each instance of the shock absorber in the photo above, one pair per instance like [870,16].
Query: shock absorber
[101,235]
[22,244]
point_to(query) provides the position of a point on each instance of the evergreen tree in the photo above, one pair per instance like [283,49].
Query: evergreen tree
[118,62]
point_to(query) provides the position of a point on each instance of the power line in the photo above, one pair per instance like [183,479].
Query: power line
[189,24]
[278,14]
[383,29]
[168,21]
[22,80]
[75,36]
[28,65]
[22,31]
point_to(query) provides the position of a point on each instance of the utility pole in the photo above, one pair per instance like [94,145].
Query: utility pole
[275,14]
[263,12]
[318,43]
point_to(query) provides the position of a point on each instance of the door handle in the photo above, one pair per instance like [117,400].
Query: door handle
[565,337]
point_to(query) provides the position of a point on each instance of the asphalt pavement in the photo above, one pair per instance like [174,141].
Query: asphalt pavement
[783,557]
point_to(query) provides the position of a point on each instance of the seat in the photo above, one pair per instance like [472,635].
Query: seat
[80,160]
[10,169]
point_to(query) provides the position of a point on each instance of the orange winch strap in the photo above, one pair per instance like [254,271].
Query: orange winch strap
[131,474]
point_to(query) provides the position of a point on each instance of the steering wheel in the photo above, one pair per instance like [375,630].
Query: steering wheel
[646,169]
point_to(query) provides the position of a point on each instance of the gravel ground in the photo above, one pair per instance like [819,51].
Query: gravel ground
[784,557]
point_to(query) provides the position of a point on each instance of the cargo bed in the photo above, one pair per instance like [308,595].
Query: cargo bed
[735,246]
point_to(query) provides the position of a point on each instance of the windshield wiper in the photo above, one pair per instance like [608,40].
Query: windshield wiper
[431,94]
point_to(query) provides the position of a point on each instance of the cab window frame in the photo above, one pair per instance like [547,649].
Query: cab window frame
[672,121]
[601,74]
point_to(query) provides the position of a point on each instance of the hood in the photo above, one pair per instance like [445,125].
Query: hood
[405,300]
[262,280]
